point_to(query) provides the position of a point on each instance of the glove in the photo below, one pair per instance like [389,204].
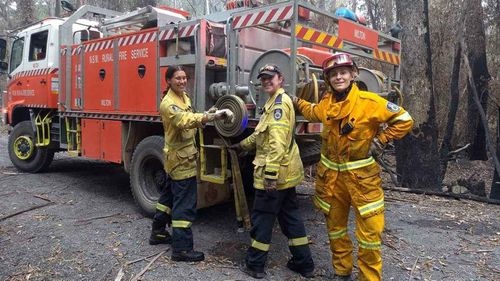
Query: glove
[212,109]
[224,114]
[376,148]
[295,101]
[269,185]
[208,117]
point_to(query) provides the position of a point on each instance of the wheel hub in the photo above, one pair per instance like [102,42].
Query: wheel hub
[23,147]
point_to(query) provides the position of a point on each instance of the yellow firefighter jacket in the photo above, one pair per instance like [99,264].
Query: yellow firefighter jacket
[277,154]
[344,148]
[179,124]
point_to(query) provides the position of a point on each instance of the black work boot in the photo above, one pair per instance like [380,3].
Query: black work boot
[307,272]
[160,237]
[188,256]
[257,274]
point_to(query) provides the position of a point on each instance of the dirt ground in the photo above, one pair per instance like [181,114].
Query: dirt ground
[88,228]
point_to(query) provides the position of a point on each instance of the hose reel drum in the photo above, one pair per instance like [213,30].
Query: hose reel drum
[307,86]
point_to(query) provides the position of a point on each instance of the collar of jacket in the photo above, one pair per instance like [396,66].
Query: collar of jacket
[183,103]
[339,110]
[270,101]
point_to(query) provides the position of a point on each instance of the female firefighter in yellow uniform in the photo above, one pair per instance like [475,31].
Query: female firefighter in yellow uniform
[278,169]
[177,204]
[347,173]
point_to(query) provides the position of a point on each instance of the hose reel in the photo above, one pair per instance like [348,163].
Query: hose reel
[227,128]
[307,83]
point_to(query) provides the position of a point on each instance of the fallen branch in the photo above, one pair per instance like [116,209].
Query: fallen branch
[138,275]
[97,218]
[451,153]
[143,258]
[27,210]
[478,251]
[43,198]
[120,274]
[413,268]
[444,194]
[392,199]
[8,193]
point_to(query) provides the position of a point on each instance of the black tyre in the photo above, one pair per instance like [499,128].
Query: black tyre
[23,152]
[147,176]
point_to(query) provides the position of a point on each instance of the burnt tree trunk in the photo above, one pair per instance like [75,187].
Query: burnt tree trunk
[476,53]
[495,185]
[452,110]
[417,154]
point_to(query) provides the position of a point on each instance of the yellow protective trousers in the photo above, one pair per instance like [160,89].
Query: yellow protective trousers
[336,191]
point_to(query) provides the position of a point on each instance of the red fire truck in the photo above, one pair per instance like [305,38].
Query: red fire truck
[91,84]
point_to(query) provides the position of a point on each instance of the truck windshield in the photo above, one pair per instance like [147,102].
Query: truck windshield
[16,56]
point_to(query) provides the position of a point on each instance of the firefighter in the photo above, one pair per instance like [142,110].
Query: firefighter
[177,204]
[347,173]
[278,169]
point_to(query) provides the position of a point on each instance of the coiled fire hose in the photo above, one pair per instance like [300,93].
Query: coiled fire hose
[225,130]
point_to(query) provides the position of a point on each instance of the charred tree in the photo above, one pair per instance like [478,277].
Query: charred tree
[445,148]
[452,109]
[476,54]
[417,154]
[495,185]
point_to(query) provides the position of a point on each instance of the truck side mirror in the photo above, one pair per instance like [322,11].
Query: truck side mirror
[4,66]
[3,49]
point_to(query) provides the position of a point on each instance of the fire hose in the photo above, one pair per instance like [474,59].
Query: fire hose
[231,129]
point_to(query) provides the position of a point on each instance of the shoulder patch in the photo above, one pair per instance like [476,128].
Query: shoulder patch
[175,108]
[278,113]
[393,107]
[279,99]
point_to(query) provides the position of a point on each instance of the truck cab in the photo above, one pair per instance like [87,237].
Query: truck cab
[33,66]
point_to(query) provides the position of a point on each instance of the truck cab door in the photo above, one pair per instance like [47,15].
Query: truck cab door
[17,66]
[37,64]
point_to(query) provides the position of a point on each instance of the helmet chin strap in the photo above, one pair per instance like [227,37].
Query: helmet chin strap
[340,96]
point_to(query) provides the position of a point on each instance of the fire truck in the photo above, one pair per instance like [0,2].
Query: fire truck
[91,84]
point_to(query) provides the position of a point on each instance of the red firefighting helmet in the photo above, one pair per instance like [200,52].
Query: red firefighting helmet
[338,60]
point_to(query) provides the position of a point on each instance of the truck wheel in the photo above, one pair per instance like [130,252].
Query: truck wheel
[147,176]
[23,152]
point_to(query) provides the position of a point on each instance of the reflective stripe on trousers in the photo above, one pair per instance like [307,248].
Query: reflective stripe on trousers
[347,165]
[181,224]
